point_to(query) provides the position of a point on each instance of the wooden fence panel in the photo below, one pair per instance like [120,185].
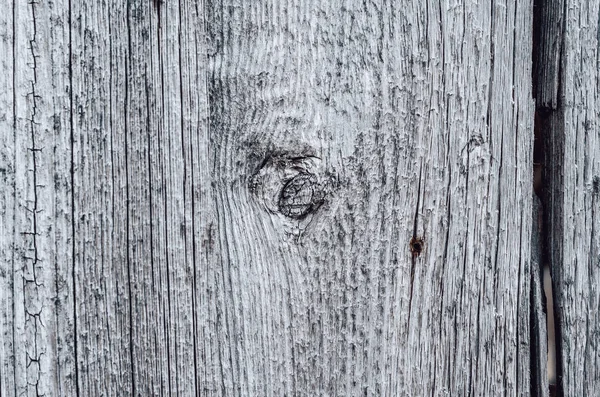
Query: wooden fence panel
[267,198]
[572,168]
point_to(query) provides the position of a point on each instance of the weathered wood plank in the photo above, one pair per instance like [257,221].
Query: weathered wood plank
[7,203]
[103,306]
[266,198]
[139,70]
[573,180]
[414,121]
[37,354]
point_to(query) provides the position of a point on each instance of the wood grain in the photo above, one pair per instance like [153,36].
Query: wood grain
[36,233]
[139,70]
[217,198]
[573,184]
[419,118]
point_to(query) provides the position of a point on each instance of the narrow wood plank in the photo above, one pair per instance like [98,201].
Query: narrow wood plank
[7,201]
[573,178]
[37,353]
[139,73]
[102,309]
[60,162]
[400,122]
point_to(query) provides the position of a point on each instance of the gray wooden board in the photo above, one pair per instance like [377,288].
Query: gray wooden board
[36,295]
[225,193]
[417,119]
[573,180]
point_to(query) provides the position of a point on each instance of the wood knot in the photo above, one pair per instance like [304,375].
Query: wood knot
[300,196]
[416,246]
[290,184]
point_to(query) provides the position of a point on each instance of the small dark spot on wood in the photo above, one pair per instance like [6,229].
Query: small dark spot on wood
[300,196]
[596,185]
[209,240]
[416,246]
[56,125]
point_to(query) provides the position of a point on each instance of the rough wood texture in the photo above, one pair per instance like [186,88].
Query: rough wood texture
[572,198]
[36,233]
[548,25]
[539,341]
[267,198]
[141,182]
[416,121]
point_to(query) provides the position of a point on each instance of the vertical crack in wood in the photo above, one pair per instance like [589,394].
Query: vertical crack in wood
[548,37]
[538,329]
[14,189]
[33,288]
[72,170]
[128,69]
[553,232]
[194,228]
[414,238]
[183,155]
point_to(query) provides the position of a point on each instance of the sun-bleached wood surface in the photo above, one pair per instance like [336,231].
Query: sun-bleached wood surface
[267,198]
[572,164]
